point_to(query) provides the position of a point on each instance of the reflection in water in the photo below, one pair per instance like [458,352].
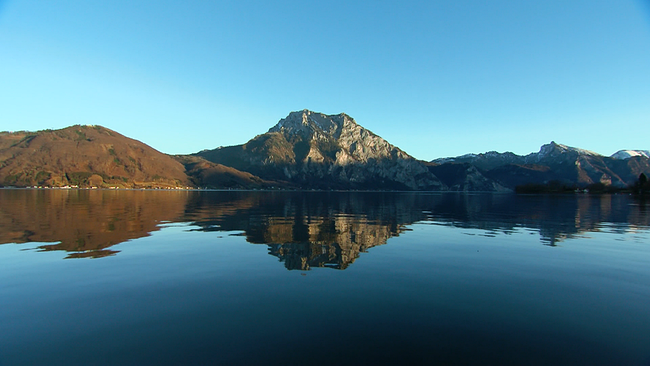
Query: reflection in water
[84,223]
[555,217]
[444,293]
[302,229]
[309,230]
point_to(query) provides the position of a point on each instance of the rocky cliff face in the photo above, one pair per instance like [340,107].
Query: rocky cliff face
[326,151]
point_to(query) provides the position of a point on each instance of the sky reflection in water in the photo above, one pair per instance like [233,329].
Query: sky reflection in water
[428,278]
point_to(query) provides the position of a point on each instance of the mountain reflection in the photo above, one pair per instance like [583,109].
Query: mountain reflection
[84,222]
[312,229]
[302,229]
[556,217]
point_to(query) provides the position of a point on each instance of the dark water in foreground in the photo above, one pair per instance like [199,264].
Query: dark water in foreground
[190,278]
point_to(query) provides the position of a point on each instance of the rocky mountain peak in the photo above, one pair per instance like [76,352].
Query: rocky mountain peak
[344,139]
[312,124]
[554,150]
[551,149]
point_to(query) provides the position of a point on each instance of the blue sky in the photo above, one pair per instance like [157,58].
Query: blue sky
[436,78]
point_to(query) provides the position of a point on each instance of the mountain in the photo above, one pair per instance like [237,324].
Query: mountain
[556,162]
[484,161]
[626,154]
[306,150]
[84,156]
[314,150]
[96,156]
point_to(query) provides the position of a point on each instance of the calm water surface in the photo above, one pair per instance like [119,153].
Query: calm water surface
[202,278]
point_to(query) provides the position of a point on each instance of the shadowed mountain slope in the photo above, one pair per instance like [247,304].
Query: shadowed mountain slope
[556,162]
[465,177]
[203,173]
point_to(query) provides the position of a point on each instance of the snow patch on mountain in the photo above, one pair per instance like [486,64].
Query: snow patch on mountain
[554,149]
[626,154]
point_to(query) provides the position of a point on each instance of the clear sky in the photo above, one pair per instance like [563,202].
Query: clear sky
[436,78]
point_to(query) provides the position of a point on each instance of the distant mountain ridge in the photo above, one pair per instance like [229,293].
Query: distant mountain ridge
[492,159]
[557,162]
[626,154]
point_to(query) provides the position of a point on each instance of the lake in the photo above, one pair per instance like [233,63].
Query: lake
[293,278]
